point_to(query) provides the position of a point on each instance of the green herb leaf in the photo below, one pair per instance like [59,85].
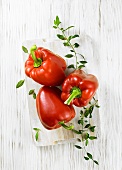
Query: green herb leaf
[97,106]
[25,49]
[89,155]
[36,129]
[86,143]
[86,113]
[68,28]
[92,128]
[66,44]
[71,66]
[37,135]
[69,56]
[20,83]
[86,158]
[91,108]
[96,162]
[55,27]
[77,132]
[81,66]
[74,36]
[83,62]
[78,147]
[57,21]
[72,51]
[76,45]
[86,136]
[92,137]
[79,140]
[87,126]
[34,95]
[31,91]
[61,37]
[81,112]
[81,121]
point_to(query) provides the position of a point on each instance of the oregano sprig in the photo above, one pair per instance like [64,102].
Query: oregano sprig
[85,128]
[37,130]
[67,42]
[32,92]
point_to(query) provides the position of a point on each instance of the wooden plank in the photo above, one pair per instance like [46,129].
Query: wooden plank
[26,19]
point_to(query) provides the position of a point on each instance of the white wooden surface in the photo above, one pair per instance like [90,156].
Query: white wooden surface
[27,19]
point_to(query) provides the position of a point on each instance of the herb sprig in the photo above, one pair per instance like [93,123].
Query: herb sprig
[67,42]
[85,128]
[86,112]
[37,130]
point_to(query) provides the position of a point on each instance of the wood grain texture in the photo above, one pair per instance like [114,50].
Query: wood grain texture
[27,19]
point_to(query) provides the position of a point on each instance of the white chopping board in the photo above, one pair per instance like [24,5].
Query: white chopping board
[60,135]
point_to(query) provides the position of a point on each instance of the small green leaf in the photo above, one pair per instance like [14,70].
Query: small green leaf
[69,38]
[83,62]
[92,128]
[69,28]
[89,155]
[87,126]
[77,132]
[20,83]
[71,66]
[25,49]
[96,162]
[61,37]
[86,158]
[69,56]
[34,95]
[79,140]
[37,135]
[57,21]
[86,113]
[81,121]
[31,91]
[78,147]
[76,45]
[92,137]
[97,106]
[36,129]
[74,36]
[81,66]
[55,27]
[81,112]
[91,108]
[86,136]
[72,51]
[86,121]
[66,44]
[86,143]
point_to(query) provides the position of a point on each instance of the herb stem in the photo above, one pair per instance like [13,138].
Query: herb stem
[75,54]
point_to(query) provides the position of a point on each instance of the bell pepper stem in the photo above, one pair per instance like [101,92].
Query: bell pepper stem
[37,61]
[75,93]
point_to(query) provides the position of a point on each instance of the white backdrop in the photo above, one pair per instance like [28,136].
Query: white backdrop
[26,19]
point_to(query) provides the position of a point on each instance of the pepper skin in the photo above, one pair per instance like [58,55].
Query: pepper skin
[79,88]
[51,109]
[45,67]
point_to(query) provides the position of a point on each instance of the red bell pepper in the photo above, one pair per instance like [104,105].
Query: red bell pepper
[79,88]
[51,109]
[45,67]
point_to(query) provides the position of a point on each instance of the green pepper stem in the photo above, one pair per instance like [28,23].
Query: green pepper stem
[37,61]
[75,93]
